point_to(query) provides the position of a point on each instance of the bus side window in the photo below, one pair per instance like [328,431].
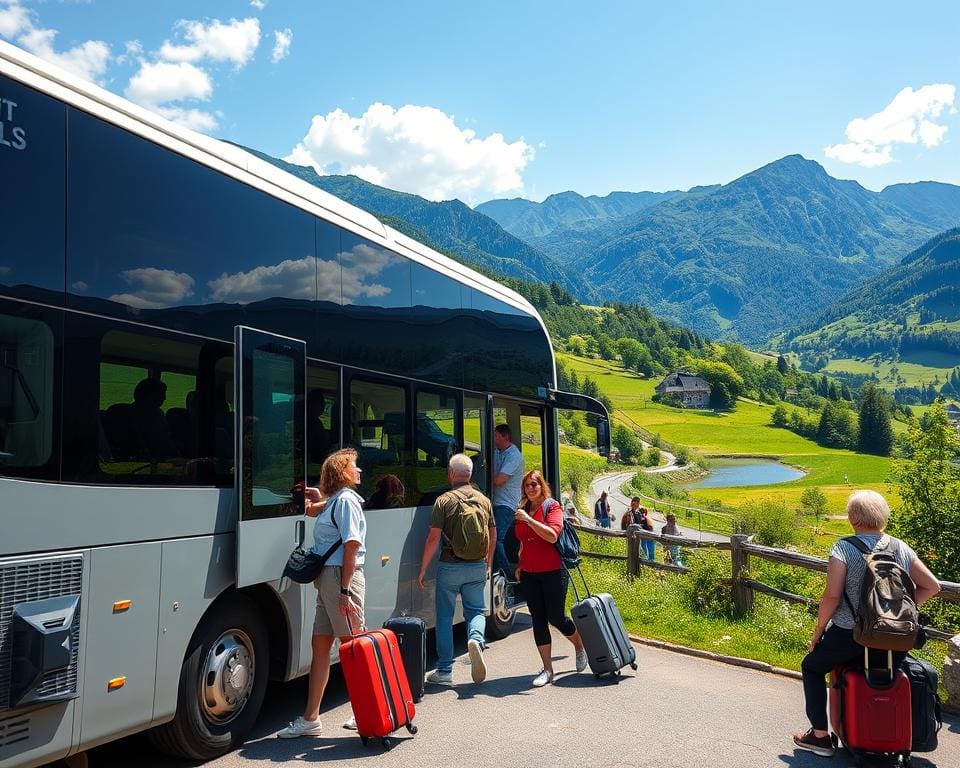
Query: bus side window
[323,412]
[438,417]
[26,394]
[378,432]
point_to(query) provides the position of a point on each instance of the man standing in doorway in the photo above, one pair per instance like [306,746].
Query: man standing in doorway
[507,475]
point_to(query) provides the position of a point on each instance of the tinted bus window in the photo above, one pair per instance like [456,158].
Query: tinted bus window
[26,395]
[148,419]
[437,325]
[323,412]
[436,440]
[378,430]
[160,238]
[476,435]
[32,133]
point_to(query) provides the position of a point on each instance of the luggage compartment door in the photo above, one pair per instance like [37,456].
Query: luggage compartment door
[269,392]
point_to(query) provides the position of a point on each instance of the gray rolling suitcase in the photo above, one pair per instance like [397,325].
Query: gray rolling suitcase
[600,625]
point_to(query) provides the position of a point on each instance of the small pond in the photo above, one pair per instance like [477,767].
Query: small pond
[726,473]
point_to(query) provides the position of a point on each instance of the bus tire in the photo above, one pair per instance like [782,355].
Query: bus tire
[500,621]
[222,683]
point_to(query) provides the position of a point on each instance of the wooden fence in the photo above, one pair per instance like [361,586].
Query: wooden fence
[741,549]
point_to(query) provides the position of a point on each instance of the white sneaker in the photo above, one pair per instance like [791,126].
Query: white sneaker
[542,679]
[351,724]
[582,660]
[440,678]
[478,668]
[301,727]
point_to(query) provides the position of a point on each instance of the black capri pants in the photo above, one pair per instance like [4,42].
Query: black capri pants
[546,594]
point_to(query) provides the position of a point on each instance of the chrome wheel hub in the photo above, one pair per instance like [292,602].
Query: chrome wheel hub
[228,675]
[500,610]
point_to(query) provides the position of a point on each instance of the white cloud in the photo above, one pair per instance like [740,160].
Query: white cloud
[414,149]
[88,59]
[154,288]
[259,4]
[163,81]
[292,278]
[194,119]
[908,119]
[236,41]
[281,44]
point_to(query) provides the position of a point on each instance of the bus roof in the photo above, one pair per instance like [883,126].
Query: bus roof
[235,162]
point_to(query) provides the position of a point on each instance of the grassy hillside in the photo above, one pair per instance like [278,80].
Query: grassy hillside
[744,431]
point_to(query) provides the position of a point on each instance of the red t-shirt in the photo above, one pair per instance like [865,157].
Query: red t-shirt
[538,555]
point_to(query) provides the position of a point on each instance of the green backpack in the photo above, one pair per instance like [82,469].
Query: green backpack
[471,532]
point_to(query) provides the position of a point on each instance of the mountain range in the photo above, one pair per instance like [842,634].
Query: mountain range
[746,259]
[910,312]
[743,261]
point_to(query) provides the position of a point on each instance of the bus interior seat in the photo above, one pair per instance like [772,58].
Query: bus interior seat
[121,435]
[179,423]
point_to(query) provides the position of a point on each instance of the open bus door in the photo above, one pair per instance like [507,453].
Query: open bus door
[270,412]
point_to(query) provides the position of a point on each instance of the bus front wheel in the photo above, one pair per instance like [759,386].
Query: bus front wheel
[222,683]
[500,620]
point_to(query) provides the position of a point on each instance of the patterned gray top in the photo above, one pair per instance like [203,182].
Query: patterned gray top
[848,554]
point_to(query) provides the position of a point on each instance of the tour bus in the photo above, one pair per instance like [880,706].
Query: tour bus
[186,331]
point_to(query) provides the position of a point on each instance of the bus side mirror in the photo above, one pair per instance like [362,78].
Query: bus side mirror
[603,437]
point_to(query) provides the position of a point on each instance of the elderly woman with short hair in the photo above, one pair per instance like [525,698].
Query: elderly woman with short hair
[832,643]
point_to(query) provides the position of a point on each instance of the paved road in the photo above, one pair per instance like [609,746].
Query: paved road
[613,482]
[674,711]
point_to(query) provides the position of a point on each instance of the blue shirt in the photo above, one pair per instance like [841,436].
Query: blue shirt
[346,505]
[509,462]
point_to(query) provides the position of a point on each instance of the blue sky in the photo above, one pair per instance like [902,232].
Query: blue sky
[507,99]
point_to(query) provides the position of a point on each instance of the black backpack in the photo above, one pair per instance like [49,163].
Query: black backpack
[925,703]
[886,617]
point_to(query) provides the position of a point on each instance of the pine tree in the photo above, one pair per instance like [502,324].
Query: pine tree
[876,431]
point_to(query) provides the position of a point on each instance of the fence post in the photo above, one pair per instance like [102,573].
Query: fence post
[633,550]
[740,561]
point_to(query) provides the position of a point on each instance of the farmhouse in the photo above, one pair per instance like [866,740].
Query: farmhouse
[686,388]
[953,413]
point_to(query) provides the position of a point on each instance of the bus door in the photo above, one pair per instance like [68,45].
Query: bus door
[270,410]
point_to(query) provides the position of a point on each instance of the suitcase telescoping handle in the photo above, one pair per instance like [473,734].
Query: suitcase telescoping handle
[866,669]
[573,581]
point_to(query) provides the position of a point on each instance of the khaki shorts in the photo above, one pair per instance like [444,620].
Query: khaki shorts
[329,620]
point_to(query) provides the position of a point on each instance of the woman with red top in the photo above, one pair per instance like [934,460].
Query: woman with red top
[539,520]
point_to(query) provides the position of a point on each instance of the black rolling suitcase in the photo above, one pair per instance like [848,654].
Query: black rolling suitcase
[601,628]
[411,633]
[927,718]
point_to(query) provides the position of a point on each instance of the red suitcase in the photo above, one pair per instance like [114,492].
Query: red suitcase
[377,685]
[870,711]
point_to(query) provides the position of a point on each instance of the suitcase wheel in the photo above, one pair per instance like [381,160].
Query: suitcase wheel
[596,675]
[411,729]
[387,743]
[834,739]
[364,740]
[633,666]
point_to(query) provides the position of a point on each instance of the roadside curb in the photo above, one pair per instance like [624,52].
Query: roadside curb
[736,661]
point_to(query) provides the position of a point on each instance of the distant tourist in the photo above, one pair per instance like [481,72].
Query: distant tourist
[649,545]
[632,515]
[832,643]
[601,511]
[671,529]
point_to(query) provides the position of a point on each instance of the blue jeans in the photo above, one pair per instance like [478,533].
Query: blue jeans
[604,522]
[503,517]
[649,548]
[467,580]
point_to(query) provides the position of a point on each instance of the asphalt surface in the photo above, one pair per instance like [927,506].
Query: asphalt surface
[675,710]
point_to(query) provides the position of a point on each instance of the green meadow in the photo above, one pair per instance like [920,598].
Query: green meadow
[745,431]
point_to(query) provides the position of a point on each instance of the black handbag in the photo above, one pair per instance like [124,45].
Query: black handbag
[304,565]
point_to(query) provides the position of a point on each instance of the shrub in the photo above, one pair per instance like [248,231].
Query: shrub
[704,590]
[770,522]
